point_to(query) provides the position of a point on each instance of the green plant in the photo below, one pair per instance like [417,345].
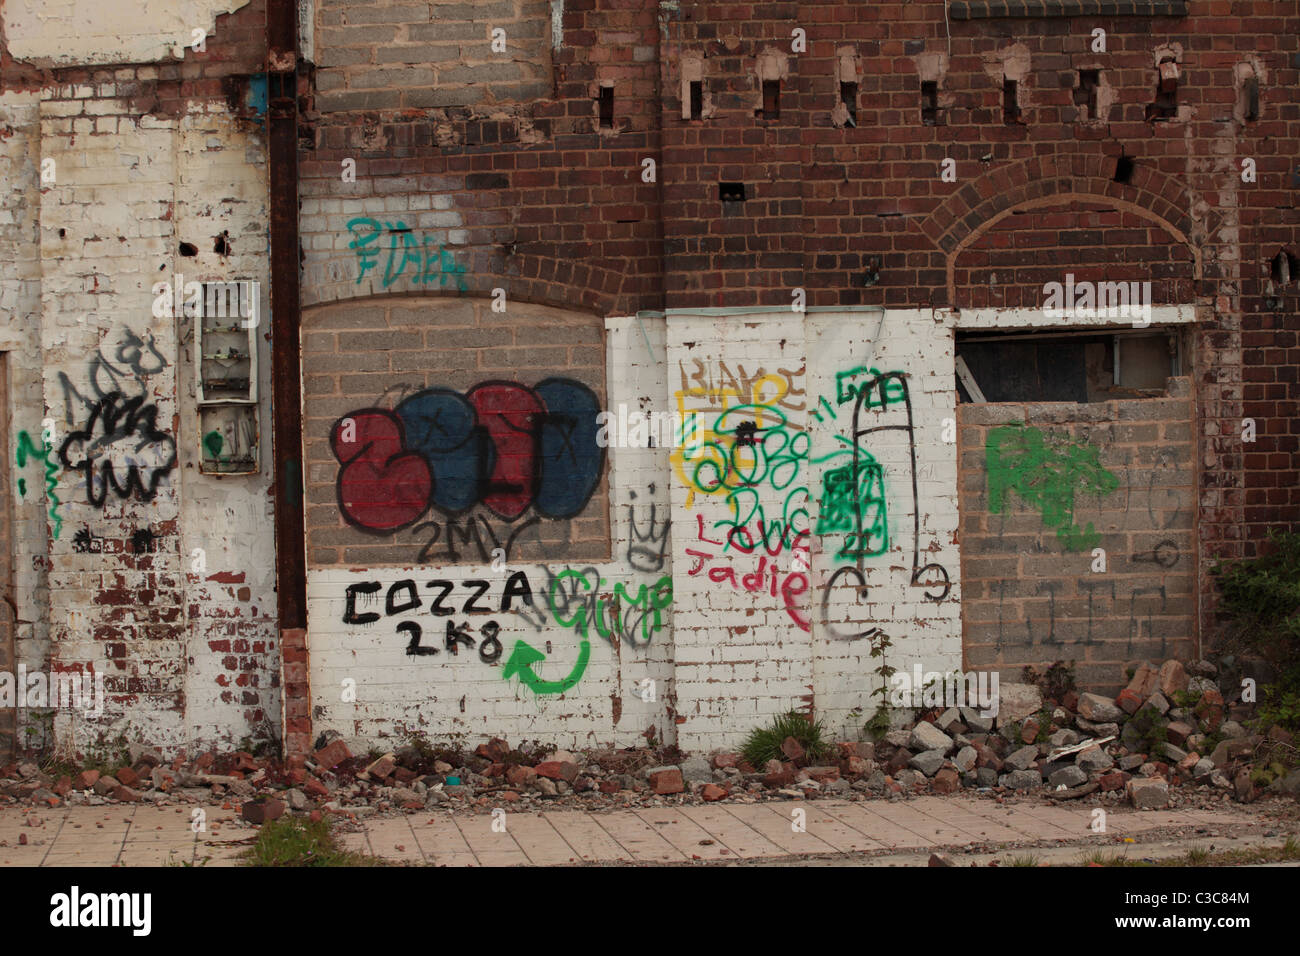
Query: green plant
[878,724]
[764,743]
[1023,859]
[1260,599]
[292,841]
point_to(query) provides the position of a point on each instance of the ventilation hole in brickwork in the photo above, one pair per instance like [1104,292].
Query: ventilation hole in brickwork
[63,233]
[1010,105]
[930,103]
[771,99]
[731,192]
[1123,169]
[1285,268]
[849,97]
[221,244]
[697,99]
[189,249]
[1085,94]
[1250,99]
[607,107]
[871,275]
[1166,102]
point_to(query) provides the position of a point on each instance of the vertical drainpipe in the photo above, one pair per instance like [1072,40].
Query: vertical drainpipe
[286,395]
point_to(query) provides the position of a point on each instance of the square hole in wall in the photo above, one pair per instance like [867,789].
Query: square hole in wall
[1078,366]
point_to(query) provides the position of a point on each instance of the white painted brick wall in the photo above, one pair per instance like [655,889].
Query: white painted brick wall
[728,659]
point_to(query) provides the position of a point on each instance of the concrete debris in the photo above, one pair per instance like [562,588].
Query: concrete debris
[1164,746]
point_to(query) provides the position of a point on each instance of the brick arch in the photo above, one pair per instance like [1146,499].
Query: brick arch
[1046,181]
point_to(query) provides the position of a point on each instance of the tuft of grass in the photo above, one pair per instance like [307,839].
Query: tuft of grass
[764,743]
[1197,856]
[292,841]
[1023,859]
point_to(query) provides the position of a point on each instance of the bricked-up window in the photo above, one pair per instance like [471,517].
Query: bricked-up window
[1085,94]
[1081,366]
[930,102]
[435,430]
[771,99]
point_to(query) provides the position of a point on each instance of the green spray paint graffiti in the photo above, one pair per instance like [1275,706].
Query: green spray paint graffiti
[28,449]
[842,502]
[431,262]
[577,601]
[524,656]
[1046,472]
[852,504]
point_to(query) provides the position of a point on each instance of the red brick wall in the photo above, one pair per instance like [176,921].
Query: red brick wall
[556,210]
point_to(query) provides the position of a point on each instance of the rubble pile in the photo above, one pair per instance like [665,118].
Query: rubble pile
[1170,727]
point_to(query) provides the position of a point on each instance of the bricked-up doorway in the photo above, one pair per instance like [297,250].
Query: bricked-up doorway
[8,609]
[1077,454]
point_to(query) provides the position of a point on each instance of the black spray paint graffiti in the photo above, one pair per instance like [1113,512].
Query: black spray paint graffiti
[403,597]
[121,447]
[86,541]
[1164,554]
[647,546]
[879,393]
[134,361]
[143,541]
[476,530]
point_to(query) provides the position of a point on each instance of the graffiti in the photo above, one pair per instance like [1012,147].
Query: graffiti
[488,652]
[120,438]
[863,495]
[135,359]
[524,656]
[1047,473]
[647,546]
[791,586]
[143,541]
[501,445]
[431,262]
[86,541]
[1164,554]
[475,529]
[843,499]
[744,449]
[403,597]
[577,600]
[1135,625]
[28,449]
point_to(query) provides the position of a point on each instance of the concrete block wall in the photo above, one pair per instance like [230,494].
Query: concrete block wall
[394,54]
[1078,535]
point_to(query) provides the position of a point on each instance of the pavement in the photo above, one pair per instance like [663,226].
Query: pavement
[872,832]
